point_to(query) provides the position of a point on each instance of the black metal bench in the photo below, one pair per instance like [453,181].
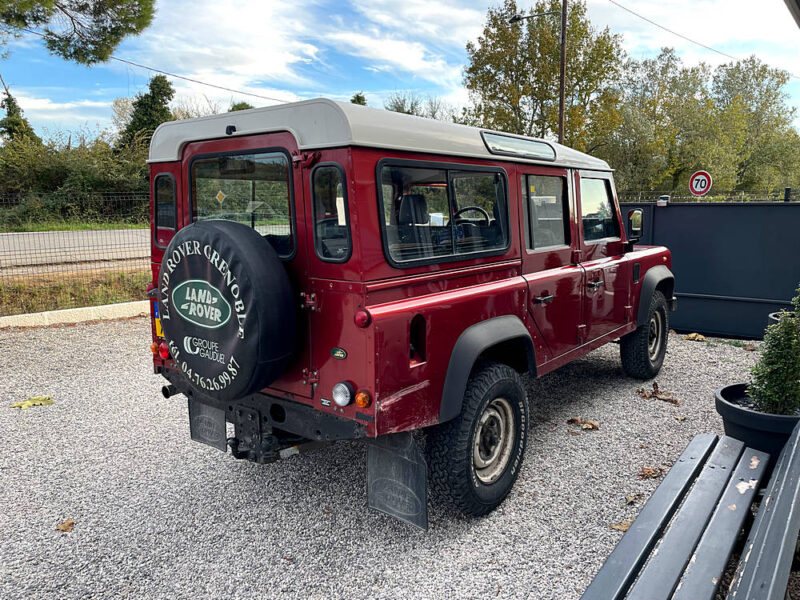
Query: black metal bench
[680,544]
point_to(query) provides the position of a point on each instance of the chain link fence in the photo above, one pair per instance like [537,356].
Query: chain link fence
[64,250]
[69,250]
[784,195]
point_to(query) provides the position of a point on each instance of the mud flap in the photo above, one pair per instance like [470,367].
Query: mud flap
[207,425]
[397,478]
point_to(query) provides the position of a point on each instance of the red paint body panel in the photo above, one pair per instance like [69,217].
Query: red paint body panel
[448,296]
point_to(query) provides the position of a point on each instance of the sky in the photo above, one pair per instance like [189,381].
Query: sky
[308,48]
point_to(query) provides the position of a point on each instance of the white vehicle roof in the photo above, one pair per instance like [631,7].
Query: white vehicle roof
[322,123]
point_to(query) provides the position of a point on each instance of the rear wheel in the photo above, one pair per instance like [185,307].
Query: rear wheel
[643,350]
[474,460]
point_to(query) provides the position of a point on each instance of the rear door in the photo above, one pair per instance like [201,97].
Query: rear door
[256,180]
[608,275]
[555,281]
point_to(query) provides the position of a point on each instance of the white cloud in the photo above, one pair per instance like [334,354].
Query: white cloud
[737,27]
[409,56]
[241,43]
[45,109]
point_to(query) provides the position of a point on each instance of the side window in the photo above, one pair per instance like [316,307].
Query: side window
[164,203]
[479,211]
[597,210]
[432,213]
[418,226]
[548,210]
[254,189]
[331,214]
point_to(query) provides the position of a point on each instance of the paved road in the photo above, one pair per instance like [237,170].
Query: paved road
[63,247]
[159,516]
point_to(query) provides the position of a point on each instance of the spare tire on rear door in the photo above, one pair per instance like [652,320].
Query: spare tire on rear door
[227,309]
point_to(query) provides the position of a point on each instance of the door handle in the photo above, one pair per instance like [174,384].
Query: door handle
[593,285]
[543,299]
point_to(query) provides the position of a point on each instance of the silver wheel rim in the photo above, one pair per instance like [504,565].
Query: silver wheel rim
[493,440]
[655,334]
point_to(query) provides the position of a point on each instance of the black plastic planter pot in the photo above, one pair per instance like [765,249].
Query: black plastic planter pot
[758,430]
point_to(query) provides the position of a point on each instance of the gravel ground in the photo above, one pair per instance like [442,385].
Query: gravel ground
[159,516]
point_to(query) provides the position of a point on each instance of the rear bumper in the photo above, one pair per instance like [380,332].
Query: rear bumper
[293,417]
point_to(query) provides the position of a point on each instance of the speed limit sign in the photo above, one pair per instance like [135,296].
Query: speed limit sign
[700,183]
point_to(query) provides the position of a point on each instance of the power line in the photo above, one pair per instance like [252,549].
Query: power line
[176,76]
[680,35]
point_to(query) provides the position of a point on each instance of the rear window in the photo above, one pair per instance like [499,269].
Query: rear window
[254,189]
[442,213]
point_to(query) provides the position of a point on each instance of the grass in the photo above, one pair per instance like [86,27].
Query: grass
[36,294]
[59,225]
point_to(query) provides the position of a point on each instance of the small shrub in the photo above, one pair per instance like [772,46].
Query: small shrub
[775,387]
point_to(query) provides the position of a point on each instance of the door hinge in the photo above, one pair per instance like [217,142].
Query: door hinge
[576,257]
[310,377]
[305,159]
[308,301]
[581,333]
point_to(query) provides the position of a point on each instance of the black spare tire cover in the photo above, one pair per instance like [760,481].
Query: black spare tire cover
[227,309]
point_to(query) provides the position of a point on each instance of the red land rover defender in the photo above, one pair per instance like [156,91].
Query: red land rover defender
[325,271]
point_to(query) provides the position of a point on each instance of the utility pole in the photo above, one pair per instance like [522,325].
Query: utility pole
[562,83]
[562,78]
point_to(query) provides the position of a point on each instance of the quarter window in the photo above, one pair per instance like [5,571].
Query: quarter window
[432,213]
[597,210]
[331,218]
[548,211]
[254,189]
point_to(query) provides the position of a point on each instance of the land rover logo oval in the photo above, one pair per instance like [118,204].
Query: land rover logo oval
[339,353]
[199,302]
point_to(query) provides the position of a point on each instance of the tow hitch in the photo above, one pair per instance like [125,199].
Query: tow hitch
[254,441]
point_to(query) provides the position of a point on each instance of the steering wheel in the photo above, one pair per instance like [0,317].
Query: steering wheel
[485,214]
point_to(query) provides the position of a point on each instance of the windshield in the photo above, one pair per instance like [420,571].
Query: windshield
[254,189]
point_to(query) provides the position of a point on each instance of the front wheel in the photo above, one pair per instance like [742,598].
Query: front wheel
[643,350]
[474,460]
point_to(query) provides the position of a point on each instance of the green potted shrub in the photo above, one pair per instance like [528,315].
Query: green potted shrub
[764,412]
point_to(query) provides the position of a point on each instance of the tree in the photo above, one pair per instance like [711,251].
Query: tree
[733,121]
[759,93]
[408,103]
[14,125]
[411,103]
[359,98]
[193,107]
[86,31]
[513,74]
[240,106]
[149,110]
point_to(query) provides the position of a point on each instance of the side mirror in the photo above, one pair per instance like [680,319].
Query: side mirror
[635,225]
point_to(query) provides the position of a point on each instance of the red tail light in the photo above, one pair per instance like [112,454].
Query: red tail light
[362,318]
[163,351]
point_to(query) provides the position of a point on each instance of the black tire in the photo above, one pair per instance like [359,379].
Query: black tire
[643,350]
[494,393]
[227,309]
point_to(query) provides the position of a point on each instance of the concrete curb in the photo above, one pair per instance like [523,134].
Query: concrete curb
[77,315]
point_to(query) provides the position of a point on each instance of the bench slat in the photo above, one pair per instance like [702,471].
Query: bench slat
[766,561]
[661,574]
[624,562]
[701,579]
